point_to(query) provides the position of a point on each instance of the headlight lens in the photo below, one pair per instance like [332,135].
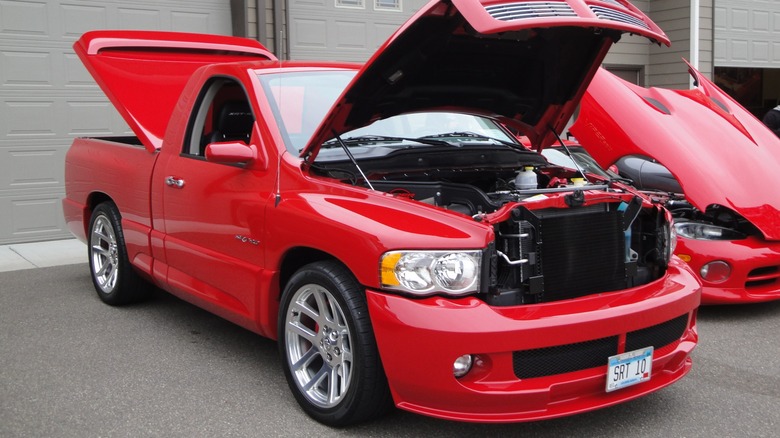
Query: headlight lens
[703,231]
[429,272]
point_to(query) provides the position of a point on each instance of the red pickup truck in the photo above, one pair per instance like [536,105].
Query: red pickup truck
[382,222]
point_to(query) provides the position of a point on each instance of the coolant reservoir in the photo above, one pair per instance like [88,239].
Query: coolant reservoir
[526,179]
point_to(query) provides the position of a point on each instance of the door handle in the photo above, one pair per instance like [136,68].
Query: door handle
[174,182]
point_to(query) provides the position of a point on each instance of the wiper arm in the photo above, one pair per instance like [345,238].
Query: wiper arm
[370,139]
[469,134]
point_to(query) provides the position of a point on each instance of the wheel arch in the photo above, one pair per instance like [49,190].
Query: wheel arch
[93,200]
[298,257]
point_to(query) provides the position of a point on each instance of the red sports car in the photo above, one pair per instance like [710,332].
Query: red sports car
[707,146]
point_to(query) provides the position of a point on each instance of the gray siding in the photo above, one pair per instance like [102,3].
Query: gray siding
[666,66]
[318,29]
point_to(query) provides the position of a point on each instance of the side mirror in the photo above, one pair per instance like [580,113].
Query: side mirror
[231,152]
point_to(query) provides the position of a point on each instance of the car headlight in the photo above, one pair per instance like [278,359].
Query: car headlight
[703,231]
[667,241]
[429,272]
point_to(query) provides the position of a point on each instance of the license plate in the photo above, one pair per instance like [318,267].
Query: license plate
[629,368]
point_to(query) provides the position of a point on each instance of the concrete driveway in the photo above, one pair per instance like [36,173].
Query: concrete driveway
[71,366]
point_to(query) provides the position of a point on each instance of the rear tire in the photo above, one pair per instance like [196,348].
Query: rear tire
[328,349]
[115,280]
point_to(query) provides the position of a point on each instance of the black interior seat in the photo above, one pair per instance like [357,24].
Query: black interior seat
[234,123]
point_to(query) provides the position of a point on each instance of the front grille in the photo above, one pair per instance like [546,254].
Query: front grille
[563,358]
[613,15]
[762,276]
[559,359]
[522,11]
[657,336]
[582,254]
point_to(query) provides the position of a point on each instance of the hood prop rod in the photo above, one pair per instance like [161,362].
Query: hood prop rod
[568,152]
[352,159]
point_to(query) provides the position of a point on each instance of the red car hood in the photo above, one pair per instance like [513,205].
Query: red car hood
[143,73]
[524,62]
[718,151]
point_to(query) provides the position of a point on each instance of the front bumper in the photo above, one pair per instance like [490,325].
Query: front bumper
[755,269]
[420,339]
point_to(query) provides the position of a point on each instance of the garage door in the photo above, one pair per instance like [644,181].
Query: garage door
[747,33]
[344,30]
[47,97]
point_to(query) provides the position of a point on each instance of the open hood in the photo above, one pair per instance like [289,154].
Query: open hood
[525,62]
[143,73]
[718,151]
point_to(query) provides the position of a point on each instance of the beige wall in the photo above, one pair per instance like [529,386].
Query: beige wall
[663,66]
[259,26]
[666,67]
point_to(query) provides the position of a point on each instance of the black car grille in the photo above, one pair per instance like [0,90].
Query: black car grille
[563,358]
[762,276]
[658,336]
[568,358]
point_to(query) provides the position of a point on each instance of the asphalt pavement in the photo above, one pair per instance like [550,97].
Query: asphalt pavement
[71,366]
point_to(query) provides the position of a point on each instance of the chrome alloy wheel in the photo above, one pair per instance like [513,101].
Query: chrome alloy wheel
[318,345]
[104,253]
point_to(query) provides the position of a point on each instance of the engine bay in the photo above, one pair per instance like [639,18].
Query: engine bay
[607,239]
[468,180]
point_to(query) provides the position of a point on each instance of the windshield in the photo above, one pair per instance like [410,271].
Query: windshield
[449,126]
[301,99]
[585,162]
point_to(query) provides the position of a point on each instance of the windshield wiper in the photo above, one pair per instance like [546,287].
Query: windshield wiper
[373,139]
[469,134]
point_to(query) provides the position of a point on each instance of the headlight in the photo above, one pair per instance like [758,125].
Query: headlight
[666,241]
[428,272]
[702,231]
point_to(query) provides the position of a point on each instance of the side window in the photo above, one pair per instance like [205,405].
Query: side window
[224,114]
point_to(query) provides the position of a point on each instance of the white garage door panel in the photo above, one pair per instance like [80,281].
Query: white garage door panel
[28,173]
[47,97]
[320,30]
[747,33]
[28,214]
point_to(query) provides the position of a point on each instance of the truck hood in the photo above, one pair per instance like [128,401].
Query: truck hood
[143,73]
[523,62]
[718,151]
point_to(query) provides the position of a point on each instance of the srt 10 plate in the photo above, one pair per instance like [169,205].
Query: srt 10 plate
[629,368]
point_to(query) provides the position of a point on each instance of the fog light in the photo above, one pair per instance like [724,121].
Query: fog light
[716,272]
[462,365]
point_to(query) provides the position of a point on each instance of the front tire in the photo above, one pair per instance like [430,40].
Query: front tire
[115,280]
[327,347]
